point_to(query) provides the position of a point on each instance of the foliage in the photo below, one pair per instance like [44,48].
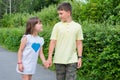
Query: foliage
[94,10]
[101,52]
[15,20]
[23,6]
[47,15]
[98,11]
[10,38]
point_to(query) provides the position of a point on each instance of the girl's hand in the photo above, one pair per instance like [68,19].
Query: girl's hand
[20,67]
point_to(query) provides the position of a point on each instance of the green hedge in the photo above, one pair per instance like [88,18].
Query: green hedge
[10,38]
[101,52]
[101,49]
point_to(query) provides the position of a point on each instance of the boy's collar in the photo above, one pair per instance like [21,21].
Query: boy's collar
[67,22]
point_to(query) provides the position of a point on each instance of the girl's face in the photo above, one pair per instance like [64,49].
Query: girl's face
[38,27]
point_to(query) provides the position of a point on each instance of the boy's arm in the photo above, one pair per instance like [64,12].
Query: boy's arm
[79,48]
[51,49]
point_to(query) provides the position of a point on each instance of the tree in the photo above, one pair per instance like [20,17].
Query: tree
[21,6]
[3,7]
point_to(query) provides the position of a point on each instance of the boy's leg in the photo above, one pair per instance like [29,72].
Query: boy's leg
[60,71]
[71,71]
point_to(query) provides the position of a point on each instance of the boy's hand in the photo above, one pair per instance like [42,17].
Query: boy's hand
[20,67]
[49,61]
[79,64]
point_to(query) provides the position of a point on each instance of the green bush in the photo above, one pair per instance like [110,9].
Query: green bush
[95,11]
[14,20]
[10,38]
[101,49]
[101,52]
[47,15]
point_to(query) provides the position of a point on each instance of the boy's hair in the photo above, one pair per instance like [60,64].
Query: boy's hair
[31,24]
[65,6]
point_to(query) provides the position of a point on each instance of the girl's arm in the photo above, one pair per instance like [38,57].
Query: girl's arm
[21,48]
[42,57]
[20,52]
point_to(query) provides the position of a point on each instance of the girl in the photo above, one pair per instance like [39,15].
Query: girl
[30,48]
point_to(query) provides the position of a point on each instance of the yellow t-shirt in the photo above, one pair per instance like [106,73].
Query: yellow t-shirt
[66,35]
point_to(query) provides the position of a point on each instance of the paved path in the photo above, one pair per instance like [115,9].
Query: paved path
[8,62]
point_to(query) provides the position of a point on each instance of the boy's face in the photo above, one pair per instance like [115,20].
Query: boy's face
[64,15]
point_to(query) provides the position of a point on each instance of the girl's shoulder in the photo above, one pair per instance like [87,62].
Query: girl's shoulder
[26,36]
[41,40]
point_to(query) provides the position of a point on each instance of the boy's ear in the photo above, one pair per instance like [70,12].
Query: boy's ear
[69,12]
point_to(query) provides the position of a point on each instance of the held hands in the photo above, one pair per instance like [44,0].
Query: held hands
[48,63]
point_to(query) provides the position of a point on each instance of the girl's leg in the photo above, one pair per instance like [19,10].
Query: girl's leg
[26,77]
[30,77]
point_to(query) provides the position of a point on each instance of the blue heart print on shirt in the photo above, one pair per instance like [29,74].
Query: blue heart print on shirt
[36,46]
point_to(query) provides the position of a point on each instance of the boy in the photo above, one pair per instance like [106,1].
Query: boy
[65,38]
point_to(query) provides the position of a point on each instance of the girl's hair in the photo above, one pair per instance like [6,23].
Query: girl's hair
[31,24]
